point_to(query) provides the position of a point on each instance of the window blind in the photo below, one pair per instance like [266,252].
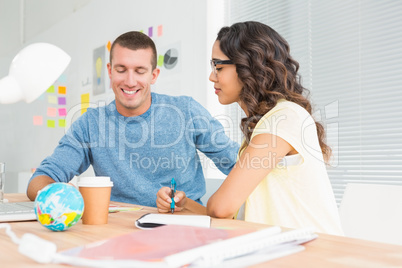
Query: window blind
[350,60]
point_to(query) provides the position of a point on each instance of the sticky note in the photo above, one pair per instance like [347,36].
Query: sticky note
[85,97]
[150,30]
[50,89]
[160,30]
[62,112]
[62,122]
[160,60]
[52,112]
[62,100]
[52,99]
[51,123]
[84,107]
[62,90]
[37,120]
[84,102]
[109,45]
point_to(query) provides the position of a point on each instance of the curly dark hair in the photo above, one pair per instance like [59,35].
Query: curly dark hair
[267,71]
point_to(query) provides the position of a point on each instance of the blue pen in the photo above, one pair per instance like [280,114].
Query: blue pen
[173,191]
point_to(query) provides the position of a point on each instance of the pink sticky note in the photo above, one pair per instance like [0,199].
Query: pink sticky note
[37,120]
[52,112]
[62,112]
[160,30]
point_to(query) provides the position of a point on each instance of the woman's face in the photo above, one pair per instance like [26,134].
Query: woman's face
[226,81]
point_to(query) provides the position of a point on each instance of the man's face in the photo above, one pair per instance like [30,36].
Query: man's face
[131,77]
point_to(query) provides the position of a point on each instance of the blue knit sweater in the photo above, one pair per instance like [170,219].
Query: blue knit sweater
[143,153]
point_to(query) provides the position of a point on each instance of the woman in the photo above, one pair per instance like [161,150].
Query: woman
[280,176]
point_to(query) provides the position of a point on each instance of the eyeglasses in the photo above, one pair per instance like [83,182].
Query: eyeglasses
[219,62]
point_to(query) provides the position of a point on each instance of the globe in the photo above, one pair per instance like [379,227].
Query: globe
[58,206]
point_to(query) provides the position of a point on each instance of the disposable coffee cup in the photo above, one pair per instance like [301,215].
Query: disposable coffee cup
[96,193]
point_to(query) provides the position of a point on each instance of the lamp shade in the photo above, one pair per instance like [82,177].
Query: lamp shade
[33,70]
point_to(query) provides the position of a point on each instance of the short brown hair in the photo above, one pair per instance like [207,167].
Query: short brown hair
[135,40]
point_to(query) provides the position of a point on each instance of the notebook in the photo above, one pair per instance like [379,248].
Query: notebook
[152,220]
[19,211]
[176,246]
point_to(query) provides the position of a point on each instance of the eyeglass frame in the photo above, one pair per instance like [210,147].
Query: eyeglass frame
[221,62]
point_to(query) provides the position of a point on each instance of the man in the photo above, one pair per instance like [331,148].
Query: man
[141,140]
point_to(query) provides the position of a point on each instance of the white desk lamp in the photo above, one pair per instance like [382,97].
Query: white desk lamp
[33,70]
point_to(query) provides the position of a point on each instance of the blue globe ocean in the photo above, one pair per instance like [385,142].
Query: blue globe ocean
[59,206]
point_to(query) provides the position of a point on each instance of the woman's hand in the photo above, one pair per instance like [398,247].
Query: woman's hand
[163,200]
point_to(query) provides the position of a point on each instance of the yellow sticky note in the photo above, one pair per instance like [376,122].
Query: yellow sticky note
[51,123]
[62,122]
[84,102]
[85,97]
[62,90]
[50,89]
[52,99]
[160,60]
[84,107]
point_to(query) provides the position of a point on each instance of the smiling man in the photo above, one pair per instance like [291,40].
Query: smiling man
[141,140]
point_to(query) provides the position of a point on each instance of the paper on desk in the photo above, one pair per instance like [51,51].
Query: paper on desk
[152,245]
[152,220]
[114,208]
[175,246]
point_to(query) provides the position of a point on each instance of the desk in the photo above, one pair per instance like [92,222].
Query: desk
[326,251]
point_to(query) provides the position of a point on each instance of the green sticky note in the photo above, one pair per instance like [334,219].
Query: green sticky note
[51,123]
[50,89]
[62,122]
[160,60]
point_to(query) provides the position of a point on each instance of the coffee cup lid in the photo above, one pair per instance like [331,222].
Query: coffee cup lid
[94,182]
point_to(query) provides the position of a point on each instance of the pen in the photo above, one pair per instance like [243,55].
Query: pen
[173,190]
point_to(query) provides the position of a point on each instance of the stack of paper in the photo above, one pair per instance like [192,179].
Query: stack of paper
[175,246]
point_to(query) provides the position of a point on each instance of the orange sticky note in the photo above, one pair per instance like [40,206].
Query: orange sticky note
[37,120]
[109,46]
[62,90]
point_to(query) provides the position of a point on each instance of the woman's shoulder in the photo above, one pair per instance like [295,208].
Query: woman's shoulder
[285,109]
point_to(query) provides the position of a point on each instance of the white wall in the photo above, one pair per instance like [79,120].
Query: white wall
[79,31]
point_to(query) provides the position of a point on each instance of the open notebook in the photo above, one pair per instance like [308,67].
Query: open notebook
[19,211]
